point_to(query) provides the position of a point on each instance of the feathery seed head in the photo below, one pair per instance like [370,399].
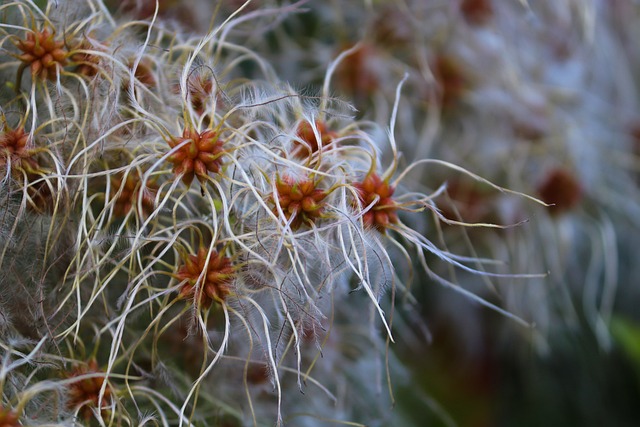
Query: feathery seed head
[390,29]
[14,148]
[43,54]
[144,72]
[201,90]
[87,64]
[310,144]
[211,280]
[41,192]
[84,394]
[372,189]
[144,9]
[197,155]
[452,80]
[129,189]
[468,201]
[299,199]
[355,74]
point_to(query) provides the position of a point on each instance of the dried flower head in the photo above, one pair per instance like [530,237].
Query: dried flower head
[452,80]
[84,394]
[300,200]
[310,143]
[197,155]
[468,201]
[355,74]
[129,189]
[45,55]
[14,150]
[144,9]
[373,190]
[211,280]
[42,194]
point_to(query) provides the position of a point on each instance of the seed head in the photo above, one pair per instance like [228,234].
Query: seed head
[200,91]
[144,72]
[85,393]
[87,63]
[144,9]
[8,418]
[217,276]
[476,12]
[355,74]
[562,190]
[452,80]
[383,212]
[43,54]
[41,194]
[469,202]
[300,199]
[311,144]
[201,155]
[128,198]
[14,148]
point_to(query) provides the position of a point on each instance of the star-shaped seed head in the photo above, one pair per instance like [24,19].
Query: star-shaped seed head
[211,280]
[130,188]
[310,144]
[14,148]
[199,154]
[84,394]
[299,199]
[43,54]
[374,190]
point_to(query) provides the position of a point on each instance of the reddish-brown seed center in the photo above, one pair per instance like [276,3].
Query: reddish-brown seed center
[45,55]
[452,81]
[310,144]
[14,148]
[373,190]
[87,63]
[85,393]
[212,280]
[476,12]
[197,155]
[356,73]
[562,190]
[300,200]
[129,189]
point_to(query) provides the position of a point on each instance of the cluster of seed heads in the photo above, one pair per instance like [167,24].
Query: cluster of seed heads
[291,213]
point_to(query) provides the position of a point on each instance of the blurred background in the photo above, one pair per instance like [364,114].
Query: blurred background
[539,97]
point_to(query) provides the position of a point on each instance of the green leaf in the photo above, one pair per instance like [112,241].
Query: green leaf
[627,335]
